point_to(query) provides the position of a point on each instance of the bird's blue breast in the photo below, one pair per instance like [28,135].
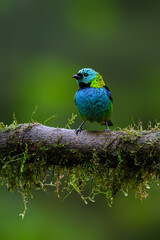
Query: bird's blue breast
[94,104]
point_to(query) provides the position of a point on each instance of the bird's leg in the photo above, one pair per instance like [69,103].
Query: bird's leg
[107,129]
[79,129]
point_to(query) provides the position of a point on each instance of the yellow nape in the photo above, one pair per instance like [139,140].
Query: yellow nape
[98,82]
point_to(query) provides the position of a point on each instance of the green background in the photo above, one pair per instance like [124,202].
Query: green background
[42,44]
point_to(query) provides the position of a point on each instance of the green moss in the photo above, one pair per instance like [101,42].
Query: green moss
[38,171]
[2,126]
[71,121]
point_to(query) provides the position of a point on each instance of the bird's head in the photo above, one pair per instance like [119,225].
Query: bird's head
[89,77]
[85,75]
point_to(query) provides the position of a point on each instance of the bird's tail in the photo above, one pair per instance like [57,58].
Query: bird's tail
[109,123]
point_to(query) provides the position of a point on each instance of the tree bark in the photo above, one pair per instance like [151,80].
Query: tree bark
[111,161]
[131,146]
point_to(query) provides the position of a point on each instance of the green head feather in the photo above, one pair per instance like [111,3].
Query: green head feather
[97,82]
[89,76]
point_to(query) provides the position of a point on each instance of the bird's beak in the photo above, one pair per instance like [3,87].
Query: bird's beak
[77,76]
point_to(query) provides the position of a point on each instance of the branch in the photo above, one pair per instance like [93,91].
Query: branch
[111,161]
[130,144]
[108,145]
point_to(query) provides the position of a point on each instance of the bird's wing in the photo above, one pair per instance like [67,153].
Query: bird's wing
[75,98]
[109,94]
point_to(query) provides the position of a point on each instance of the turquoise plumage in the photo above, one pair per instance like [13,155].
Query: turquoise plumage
[93,99]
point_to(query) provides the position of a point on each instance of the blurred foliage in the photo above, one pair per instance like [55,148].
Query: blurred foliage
[42,44]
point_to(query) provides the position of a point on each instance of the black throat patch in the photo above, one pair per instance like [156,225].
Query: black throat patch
[83,85]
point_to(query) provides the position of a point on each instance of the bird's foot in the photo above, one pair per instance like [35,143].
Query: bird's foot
[107,130]
[79,129]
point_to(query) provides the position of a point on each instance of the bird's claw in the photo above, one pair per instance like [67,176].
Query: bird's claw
[107,130]
[79,129]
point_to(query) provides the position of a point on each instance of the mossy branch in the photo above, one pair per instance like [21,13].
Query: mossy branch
[110,161]
[110,146]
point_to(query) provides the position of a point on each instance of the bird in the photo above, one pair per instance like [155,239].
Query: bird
[93,98]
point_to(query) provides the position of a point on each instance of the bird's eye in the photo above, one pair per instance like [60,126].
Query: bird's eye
[85,74]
